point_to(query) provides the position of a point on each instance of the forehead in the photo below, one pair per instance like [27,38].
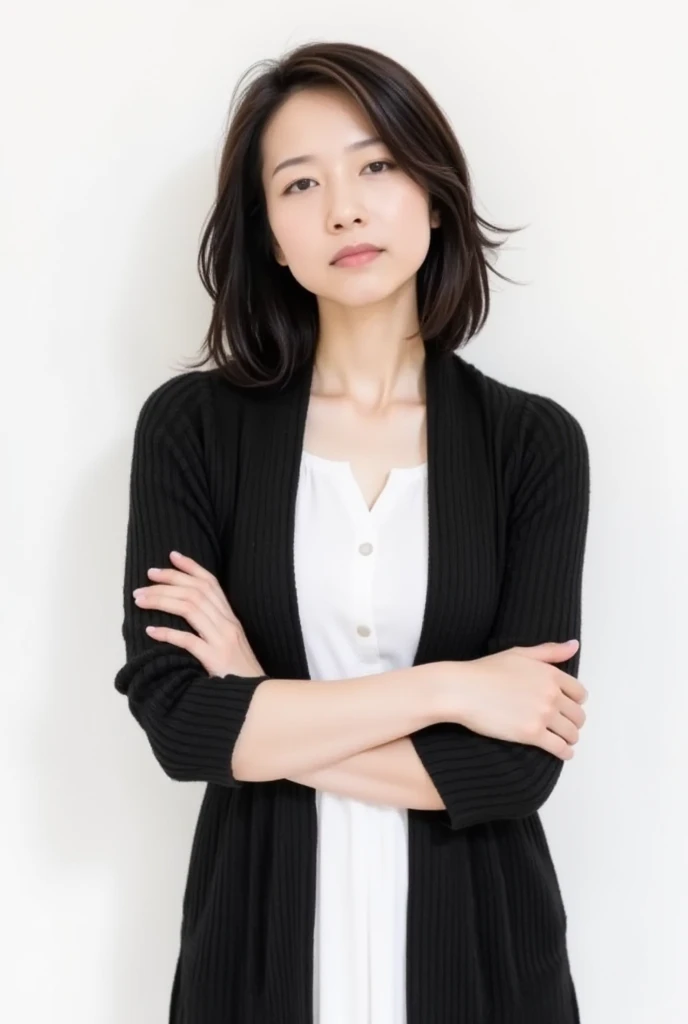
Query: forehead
[314,121]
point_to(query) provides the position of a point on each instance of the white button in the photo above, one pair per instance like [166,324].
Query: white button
[366,548]
[363,630]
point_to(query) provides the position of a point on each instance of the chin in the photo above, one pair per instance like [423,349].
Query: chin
[362,297]
[365,293]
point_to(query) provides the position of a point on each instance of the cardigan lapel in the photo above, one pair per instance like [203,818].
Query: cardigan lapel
[261,566]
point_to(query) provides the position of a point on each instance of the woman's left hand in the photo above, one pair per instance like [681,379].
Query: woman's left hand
[195,594]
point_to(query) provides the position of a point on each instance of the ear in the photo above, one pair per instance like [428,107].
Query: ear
[278,254]
[434,218]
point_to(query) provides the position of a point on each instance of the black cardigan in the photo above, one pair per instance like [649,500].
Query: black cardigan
[214,475]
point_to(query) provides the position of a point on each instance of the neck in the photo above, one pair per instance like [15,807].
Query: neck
[370,355]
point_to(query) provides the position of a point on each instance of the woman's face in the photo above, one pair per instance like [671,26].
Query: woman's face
[341,189]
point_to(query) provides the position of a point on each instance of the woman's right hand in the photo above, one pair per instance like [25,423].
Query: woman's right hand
[517,695]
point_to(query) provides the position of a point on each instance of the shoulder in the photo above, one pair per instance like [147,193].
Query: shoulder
[523,422]
[179,395]
[185,403]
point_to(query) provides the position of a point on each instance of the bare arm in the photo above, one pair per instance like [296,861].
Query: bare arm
[298,726]
[391,774]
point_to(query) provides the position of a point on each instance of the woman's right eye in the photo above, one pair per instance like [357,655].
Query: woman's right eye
[299,182]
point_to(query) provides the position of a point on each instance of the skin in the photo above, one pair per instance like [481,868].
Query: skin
[367,403]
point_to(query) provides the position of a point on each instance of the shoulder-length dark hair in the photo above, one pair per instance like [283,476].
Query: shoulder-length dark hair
[264,324]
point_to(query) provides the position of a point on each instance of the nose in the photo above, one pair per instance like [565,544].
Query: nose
[345,208]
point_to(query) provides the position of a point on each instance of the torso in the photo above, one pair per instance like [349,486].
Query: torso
[374,443]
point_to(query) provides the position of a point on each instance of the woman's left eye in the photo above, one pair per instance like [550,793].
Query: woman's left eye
[381,163]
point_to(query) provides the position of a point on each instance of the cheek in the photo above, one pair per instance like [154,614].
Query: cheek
[296,233]
[408,208]
[407,219]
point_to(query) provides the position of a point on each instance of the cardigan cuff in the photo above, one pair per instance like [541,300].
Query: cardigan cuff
[194,740]
[484,779]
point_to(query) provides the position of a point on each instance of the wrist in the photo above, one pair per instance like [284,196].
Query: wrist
[423,694]
[447,690]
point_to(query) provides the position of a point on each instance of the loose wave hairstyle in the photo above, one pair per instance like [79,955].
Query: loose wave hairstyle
[264,323]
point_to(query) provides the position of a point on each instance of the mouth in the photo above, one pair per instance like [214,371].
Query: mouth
[357,259]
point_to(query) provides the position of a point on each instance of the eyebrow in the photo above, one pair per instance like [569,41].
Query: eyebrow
[309,156]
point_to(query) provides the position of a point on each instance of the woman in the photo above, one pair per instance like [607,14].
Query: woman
[369,560]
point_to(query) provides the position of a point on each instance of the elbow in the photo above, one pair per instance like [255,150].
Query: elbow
[522,792]
[176,771]
[180,765]
[527,788]
[172,761]
[184,759]
[181,769]
[479,779]
[193,723]
[539,777]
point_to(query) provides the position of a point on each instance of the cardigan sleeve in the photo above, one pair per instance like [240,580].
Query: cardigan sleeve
[192,720]
[480,778]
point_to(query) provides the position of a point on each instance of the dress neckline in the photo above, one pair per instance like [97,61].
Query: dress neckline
[337,464]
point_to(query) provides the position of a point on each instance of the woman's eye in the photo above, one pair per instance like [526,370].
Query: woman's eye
[295,183]
[381,163]
[297,186]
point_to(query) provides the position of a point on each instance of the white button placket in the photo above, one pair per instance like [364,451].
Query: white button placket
[364,556]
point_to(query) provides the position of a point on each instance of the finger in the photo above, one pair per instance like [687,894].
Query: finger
[551,651]
[572,687]
[564,727]
[203,620]
[554,744]
[212,593]
[189,565]
[155,596]
[573,711]
[195,569]
[207,584]
[180,638]
[173,577]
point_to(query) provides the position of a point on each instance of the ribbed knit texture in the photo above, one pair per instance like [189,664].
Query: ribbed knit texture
[214,475]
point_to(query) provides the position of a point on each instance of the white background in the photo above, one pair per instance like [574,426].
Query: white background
[112,116]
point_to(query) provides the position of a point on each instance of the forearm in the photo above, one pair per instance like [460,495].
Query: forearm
[391,774]
[294,727]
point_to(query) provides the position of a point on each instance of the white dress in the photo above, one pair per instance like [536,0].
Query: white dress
[361,579]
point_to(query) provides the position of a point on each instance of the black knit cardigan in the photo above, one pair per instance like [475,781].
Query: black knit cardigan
[214,475]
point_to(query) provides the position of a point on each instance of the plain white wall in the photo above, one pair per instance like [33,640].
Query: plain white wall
[112,120]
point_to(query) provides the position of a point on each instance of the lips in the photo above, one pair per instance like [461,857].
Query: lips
[354,250]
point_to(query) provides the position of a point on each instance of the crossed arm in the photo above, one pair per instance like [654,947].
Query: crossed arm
[195,722]
[391,774]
